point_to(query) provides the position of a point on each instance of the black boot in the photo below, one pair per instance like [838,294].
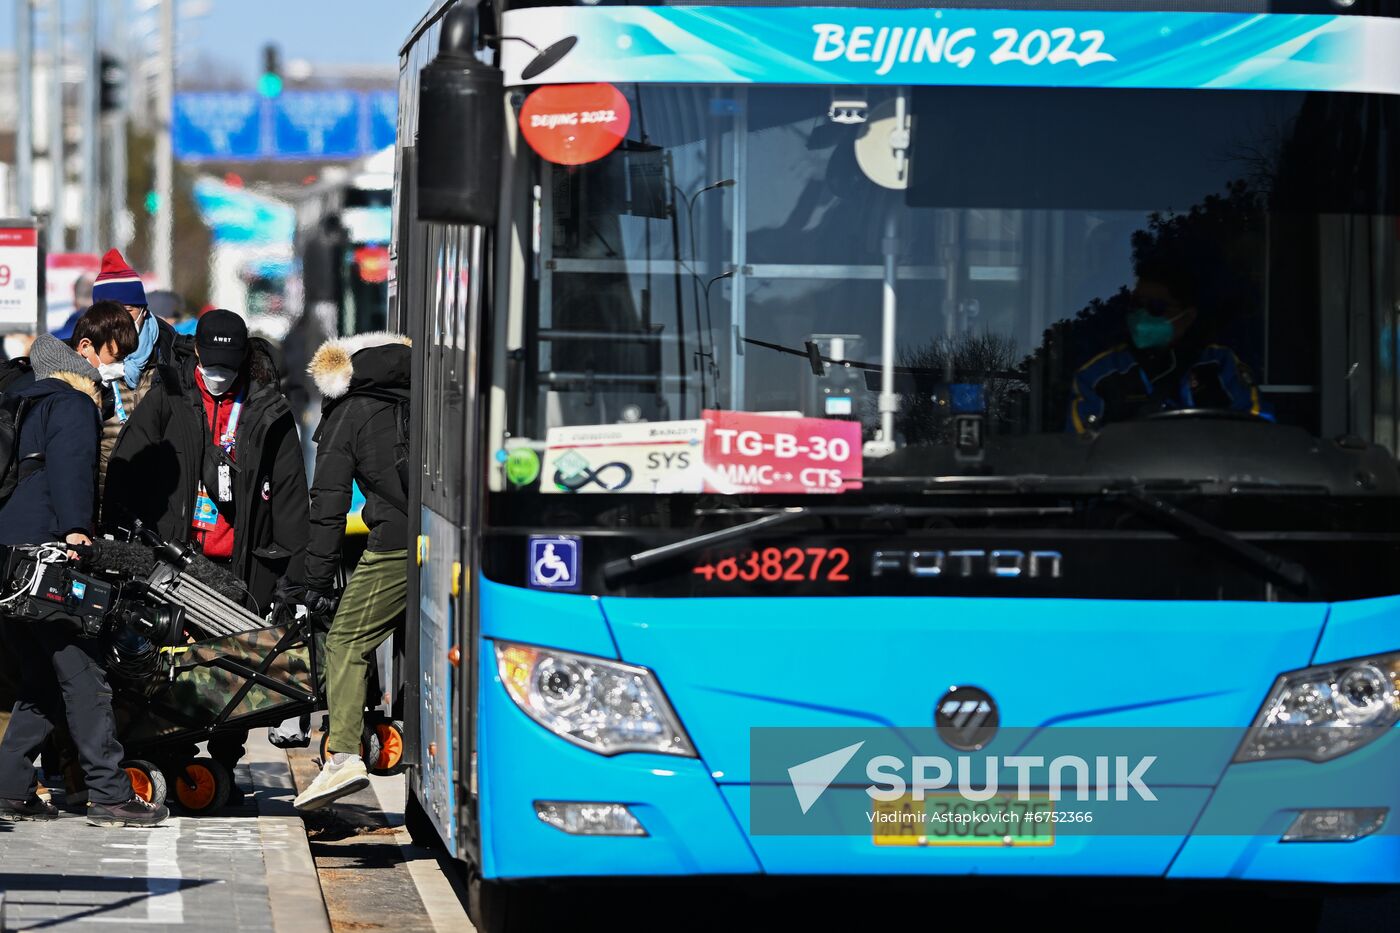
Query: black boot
[135,812]
[17,811]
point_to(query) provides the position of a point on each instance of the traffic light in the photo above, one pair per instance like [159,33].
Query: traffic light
[112,73]
[270,81]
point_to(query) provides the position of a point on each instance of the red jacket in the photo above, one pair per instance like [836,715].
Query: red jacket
[217,541]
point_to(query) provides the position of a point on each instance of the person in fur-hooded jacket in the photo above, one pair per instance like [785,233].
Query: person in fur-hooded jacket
[364,381]
[213,459]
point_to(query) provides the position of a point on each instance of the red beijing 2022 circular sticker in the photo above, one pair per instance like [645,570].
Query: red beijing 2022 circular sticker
[572,124]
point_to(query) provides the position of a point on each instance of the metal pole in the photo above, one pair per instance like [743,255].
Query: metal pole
[56,168]
[164,246]
[24,131]
[117,209]
[87,235]
[117,152]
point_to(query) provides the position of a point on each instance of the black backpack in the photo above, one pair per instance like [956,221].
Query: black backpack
[13,370]
[13,411]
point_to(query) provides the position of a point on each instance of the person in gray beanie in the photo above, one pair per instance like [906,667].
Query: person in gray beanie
[60,673]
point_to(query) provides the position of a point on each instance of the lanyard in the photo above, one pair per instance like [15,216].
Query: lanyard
[117,399]
[226,440]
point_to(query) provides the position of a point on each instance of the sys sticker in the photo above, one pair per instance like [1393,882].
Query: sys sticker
[554,562]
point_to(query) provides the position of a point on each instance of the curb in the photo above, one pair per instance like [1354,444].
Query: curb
[440,888]
[293,886]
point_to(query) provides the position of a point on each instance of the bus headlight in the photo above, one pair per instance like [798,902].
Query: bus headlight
[605,706]
[1320,713]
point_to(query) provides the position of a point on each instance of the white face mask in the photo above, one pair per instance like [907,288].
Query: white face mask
[218,379]
[112,371]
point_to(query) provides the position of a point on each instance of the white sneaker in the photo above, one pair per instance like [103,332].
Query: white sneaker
[333,783]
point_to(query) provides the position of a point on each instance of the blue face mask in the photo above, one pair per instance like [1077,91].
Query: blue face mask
[1148,331]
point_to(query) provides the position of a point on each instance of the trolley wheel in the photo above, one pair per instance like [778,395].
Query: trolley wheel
[370,748]
[201,786]
[147,780]
[390,760]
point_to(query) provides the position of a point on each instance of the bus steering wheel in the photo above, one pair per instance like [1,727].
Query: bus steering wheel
[1211,414]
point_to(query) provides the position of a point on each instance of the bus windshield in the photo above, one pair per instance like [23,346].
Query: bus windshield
[832,289]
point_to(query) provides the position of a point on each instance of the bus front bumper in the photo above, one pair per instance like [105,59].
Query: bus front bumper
[696,823]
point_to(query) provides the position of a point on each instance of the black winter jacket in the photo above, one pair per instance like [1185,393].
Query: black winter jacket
[361,378]
[165,451]
[60,496]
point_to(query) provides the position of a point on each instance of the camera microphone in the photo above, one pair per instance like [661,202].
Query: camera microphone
[123,557]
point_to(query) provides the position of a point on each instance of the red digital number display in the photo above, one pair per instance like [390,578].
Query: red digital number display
[779,565]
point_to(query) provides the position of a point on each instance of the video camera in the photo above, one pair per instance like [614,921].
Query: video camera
[141,596]
[42,585]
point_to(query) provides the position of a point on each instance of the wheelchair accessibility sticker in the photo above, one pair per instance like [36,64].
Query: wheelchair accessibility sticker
[554,562]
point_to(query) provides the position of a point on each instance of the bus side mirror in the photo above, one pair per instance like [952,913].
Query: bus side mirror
[461,128]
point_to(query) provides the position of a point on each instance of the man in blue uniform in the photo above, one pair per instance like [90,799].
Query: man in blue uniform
[1165,364]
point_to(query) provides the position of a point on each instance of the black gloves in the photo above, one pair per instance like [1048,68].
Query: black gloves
[321,606]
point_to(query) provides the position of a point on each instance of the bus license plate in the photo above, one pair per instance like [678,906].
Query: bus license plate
[951,820]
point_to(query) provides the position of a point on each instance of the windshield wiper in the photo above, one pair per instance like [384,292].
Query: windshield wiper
[1185,523]
[771,518]
[615,570]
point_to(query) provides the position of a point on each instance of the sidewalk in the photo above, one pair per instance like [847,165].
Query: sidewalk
[248,869]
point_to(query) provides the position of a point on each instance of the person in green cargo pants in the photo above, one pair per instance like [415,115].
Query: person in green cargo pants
[363,438]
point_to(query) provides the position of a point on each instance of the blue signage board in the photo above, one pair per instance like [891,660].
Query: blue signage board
[219,125]
[319,125]
[296,125]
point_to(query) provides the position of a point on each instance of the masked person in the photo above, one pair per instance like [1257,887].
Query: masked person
[105,336]
[141,368]
[61,674]
[1167,363]
[365,383]
[212,458]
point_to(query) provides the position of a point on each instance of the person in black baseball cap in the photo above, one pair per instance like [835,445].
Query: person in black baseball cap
[221,343]
[232,483]
[220,468]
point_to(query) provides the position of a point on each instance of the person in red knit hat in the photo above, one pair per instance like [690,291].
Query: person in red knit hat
[155,350]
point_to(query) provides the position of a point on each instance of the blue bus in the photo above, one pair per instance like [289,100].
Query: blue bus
[820,408]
